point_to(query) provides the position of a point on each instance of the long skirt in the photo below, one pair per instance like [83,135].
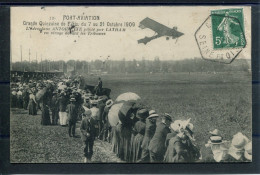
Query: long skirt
[137,150]
[125,144]
[25,104]
[115,139]
[45,117]
[32,108]
[63,118]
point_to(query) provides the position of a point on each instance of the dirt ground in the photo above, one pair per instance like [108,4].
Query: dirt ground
[33,143]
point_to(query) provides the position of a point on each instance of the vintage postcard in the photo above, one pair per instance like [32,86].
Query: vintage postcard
[131,84]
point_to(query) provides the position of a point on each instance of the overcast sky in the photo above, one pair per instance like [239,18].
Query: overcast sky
[117,45]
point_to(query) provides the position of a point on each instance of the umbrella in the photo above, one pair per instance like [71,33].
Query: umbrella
[128,96]
[113,114]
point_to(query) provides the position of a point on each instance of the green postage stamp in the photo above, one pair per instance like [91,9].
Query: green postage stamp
[228,28]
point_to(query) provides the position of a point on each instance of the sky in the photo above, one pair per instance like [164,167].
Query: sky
[116,45]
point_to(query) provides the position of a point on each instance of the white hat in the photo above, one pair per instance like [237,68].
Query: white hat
[175,126]
[215,132]
[239,141]
[248,151]
[153,115]
[152,112]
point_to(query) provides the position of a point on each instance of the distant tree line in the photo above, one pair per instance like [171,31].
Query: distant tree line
[133,66]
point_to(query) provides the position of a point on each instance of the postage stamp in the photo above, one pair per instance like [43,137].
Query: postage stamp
[221,36]
[227,28]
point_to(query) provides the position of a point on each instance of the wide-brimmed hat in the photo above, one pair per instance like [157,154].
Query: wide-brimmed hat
[153,116]
[109,103]
[248,151]
[72,99]
[239,141]
[215,132]
[142,113]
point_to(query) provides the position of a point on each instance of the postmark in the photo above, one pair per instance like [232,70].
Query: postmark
[221,36]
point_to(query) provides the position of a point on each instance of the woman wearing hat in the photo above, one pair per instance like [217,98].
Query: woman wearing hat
[236,152]
[180,148]
[139,129]
[107,128]
[32,104]
[149,132]
[45,115]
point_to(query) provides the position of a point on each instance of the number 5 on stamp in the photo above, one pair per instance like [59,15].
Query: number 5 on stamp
[228,28]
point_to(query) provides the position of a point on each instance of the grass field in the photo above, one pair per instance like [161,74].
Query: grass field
[222,101]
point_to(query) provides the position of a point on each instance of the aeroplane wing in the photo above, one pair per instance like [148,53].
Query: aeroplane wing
[146,39]
[154,25]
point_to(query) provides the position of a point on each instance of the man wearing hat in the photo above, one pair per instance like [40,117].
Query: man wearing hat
[104,118]
[88,134]
[94,114]
[72,116]
[157,144]
[54,108]
[149,132]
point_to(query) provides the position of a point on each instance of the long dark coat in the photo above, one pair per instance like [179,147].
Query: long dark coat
[157,144]
[45,115]
[139,128]
[72,113]
[87,126]
[149,133]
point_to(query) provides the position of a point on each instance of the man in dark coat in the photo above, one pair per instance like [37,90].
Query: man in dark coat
[55,108]
[157,144]
[87,129]
[149,133]
[72,116]
[25,99]
[101,107]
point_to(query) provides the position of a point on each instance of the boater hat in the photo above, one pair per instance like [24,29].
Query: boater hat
[215,140]
[109,103]
[153,116]
[152,112]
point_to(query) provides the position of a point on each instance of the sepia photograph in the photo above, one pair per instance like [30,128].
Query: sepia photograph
[130,84]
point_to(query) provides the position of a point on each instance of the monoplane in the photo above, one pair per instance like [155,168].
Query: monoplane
[159,29]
